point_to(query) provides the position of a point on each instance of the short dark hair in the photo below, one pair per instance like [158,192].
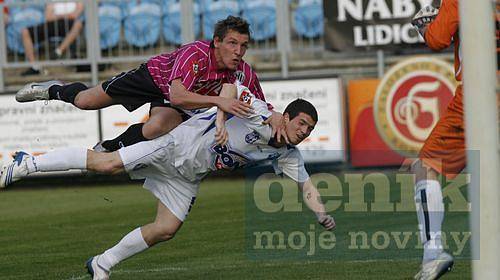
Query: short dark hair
[301,106]
[231,23]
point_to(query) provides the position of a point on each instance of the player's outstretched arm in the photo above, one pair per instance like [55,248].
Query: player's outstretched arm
[228,91]
[312,198]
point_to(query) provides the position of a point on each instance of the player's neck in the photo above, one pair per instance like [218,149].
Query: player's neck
[218,60]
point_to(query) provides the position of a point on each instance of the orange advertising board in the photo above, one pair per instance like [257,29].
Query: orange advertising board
[367,148]
[389,119]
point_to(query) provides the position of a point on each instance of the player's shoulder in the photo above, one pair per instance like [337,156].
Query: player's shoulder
[245,67]
[202,48]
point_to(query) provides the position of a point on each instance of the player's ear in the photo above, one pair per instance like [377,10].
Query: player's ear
[286,117]
[217,41]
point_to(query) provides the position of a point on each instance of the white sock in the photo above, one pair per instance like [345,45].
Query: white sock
[59,160]
[58,52]
[430,214]
[131,244]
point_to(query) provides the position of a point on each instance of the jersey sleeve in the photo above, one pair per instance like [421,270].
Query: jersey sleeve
[260,107]
[292,165]
[186,67]
[440,32]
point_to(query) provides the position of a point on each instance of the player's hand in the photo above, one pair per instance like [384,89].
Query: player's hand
[326,221]
[425,16]
[277,122]
[235,107]
[221,135]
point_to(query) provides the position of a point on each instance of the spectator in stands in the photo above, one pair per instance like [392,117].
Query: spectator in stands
[5,13]
[62,19]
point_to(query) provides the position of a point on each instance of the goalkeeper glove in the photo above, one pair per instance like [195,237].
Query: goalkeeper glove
[425,16]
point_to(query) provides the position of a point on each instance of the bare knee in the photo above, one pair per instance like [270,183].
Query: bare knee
[161,121]
[110,168]
[25,32]
[85,102]
[153,128]
[92,99]
[107,163]
[163,232]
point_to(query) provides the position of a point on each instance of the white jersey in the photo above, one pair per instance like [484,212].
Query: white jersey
[197,153]
[174,164]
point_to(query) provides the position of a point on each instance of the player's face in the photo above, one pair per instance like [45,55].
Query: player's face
[231,49]
[298,128]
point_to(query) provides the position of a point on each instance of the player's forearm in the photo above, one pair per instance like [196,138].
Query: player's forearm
[191,100]
[312,198]
[182,98]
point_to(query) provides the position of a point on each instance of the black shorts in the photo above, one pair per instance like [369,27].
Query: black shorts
[135,88]
[51,29]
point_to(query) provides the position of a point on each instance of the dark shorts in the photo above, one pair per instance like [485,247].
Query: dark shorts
[58,28]
[135,88]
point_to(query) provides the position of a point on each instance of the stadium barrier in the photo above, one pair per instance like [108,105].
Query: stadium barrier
[118,31]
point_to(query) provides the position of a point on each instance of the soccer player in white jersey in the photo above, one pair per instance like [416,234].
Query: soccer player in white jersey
[174,164]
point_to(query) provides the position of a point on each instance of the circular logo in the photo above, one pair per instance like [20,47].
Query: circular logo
[409,101]
[240,76]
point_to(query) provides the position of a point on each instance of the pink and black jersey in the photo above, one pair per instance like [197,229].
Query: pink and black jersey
[196,66]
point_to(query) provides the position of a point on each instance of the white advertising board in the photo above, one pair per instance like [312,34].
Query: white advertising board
[327,141]
[37,128]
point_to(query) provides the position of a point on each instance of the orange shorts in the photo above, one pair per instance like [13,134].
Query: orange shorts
[444,149]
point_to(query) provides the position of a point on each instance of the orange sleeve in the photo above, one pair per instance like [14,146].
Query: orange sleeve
[440,32]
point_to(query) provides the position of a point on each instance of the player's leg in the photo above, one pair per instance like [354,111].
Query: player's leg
[161,121]
[430,209]
[164,227]
[443,153]
[76,93]
[60,160]
[131,89]
[57,160]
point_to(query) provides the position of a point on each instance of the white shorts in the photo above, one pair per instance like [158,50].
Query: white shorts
[154,161]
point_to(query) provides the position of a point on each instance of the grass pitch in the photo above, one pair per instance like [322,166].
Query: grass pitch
[49,233]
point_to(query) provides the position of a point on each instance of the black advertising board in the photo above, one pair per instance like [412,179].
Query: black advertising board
[360,25]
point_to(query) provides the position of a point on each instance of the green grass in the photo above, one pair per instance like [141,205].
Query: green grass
[49,233]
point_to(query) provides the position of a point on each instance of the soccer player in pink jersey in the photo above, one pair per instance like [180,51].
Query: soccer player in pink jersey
[176,85]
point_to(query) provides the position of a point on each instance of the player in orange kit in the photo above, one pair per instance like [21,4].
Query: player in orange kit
[444,150]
